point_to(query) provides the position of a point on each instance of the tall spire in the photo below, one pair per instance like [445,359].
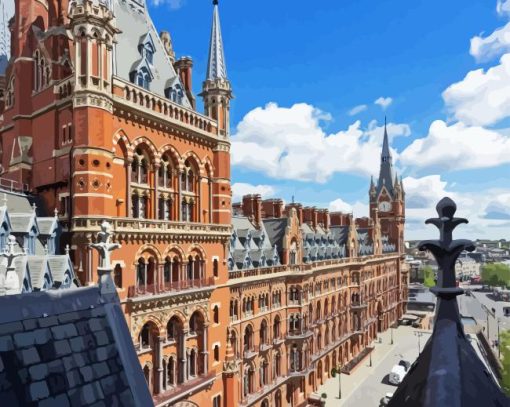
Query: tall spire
[386,170]
[216,68]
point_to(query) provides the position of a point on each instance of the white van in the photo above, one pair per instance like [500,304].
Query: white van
[397,374]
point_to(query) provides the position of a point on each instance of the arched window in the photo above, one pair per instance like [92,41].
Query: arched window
[215,267]
[216,353]
[117,275]
[216,314]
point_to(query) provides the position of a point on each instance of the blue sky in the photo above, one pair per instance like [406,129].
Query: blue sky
[301,70]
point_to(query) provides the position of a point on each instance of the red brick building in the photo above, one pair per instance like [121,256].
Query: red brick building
[98,119]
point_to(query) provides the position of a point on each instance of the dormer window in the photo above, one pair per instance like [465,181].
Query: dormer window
[143,78]
[148,51]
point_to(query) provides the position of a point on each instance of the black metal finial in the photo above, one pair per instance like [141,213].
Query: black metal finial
[215,2]
[446,250]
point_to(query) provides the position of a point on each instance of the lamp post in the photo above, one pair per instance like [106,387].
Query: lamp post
[340,382]
[391,332]
[419,335]
[370,354]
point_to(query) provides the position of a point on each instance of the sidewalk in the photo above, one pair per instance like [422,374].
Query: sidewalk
[350,383]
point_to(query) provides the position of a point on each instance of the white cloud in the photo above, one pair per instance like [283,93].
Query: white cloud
[457,147]
[503,7]
[485,48]
[289,143]
[239,189]
[383,102]
[498,207]
[423,194]
[173,4]
[357,109]
[481,98]
[394,130]
[339,205]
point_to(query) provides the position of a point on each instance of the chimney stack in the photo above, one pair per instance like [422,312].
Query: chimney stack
[252,208]
[184,67]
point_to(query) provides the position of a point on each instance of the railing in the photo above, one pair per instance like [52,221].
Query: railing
[181,390]
[147,289]
[306,267]
[163,107]
[250,352]
[13,186]
[121,225]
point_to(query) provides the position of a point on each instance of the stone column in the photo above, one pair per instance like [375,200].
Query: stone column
[210,201]
[179,204]
[184,364]
[156,184]
[128,180]
[159,364]
[205,351]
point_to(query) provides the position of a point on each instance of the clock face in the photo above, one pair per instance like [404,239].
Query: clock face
[384,206]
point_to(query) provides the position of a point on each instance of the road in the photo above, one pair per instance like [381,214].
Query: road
[367,385]
[473,306]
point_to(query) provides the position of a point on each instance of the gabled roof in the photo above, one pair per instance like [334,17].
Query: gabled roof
[67,347]
[275,228]
[23,222]
[133,18]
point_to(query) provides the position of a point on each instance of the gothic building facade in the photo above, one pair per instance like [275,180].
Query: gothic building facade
[98,120]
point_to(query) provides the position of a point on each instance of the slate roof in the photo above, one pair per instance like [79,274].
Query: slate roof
[67,348]
[135,22]
[275,229]
[252,244]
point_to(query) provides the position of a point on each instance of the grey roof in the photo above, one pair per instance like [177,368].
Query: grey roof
[216,68]
[340,234]
[38,268]
[47,225]
[133,19]
[275,229]
[249,246]
[67,347]
[22,222]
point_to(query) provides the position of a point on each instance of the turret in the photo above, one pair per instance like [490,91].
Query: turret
[217,93]
[216,89]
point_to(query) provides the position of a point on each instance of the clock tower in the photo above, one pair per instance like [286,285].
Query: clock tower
[387,198]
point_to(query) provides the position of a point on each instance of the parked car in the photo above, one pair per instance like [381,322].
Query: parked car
[385,400]
[397,374]
[405,364]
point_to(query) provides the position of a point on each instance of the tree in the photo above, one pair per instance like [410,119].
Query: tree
[428,276]
[496,274]
[504,344]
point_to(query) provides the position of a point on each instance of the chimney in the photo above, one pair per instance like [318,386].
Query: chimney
[325,219]
[272,208]
[184,67]
[315,217]
[252,208]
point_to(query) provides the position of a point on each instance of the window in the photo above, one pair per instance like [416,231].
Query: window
[216,353]
[215,267]
[217,401]
[216,314]
[117,275]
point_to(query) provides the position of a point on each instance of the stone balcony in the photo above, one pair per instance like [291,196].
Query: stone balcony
[126,226]
[132,97]
[175,288]
[250,353]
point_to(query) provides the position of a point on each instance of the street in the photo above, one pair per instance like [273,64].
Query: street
[367,385]
[473,306]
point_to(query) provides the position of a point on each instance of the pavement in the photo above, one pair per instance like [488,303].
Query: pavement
[474,306]
[367,385]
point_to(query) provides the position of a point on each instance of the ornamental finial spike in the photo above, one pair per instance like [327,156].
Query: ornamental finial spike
[446,208]
[446,250]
